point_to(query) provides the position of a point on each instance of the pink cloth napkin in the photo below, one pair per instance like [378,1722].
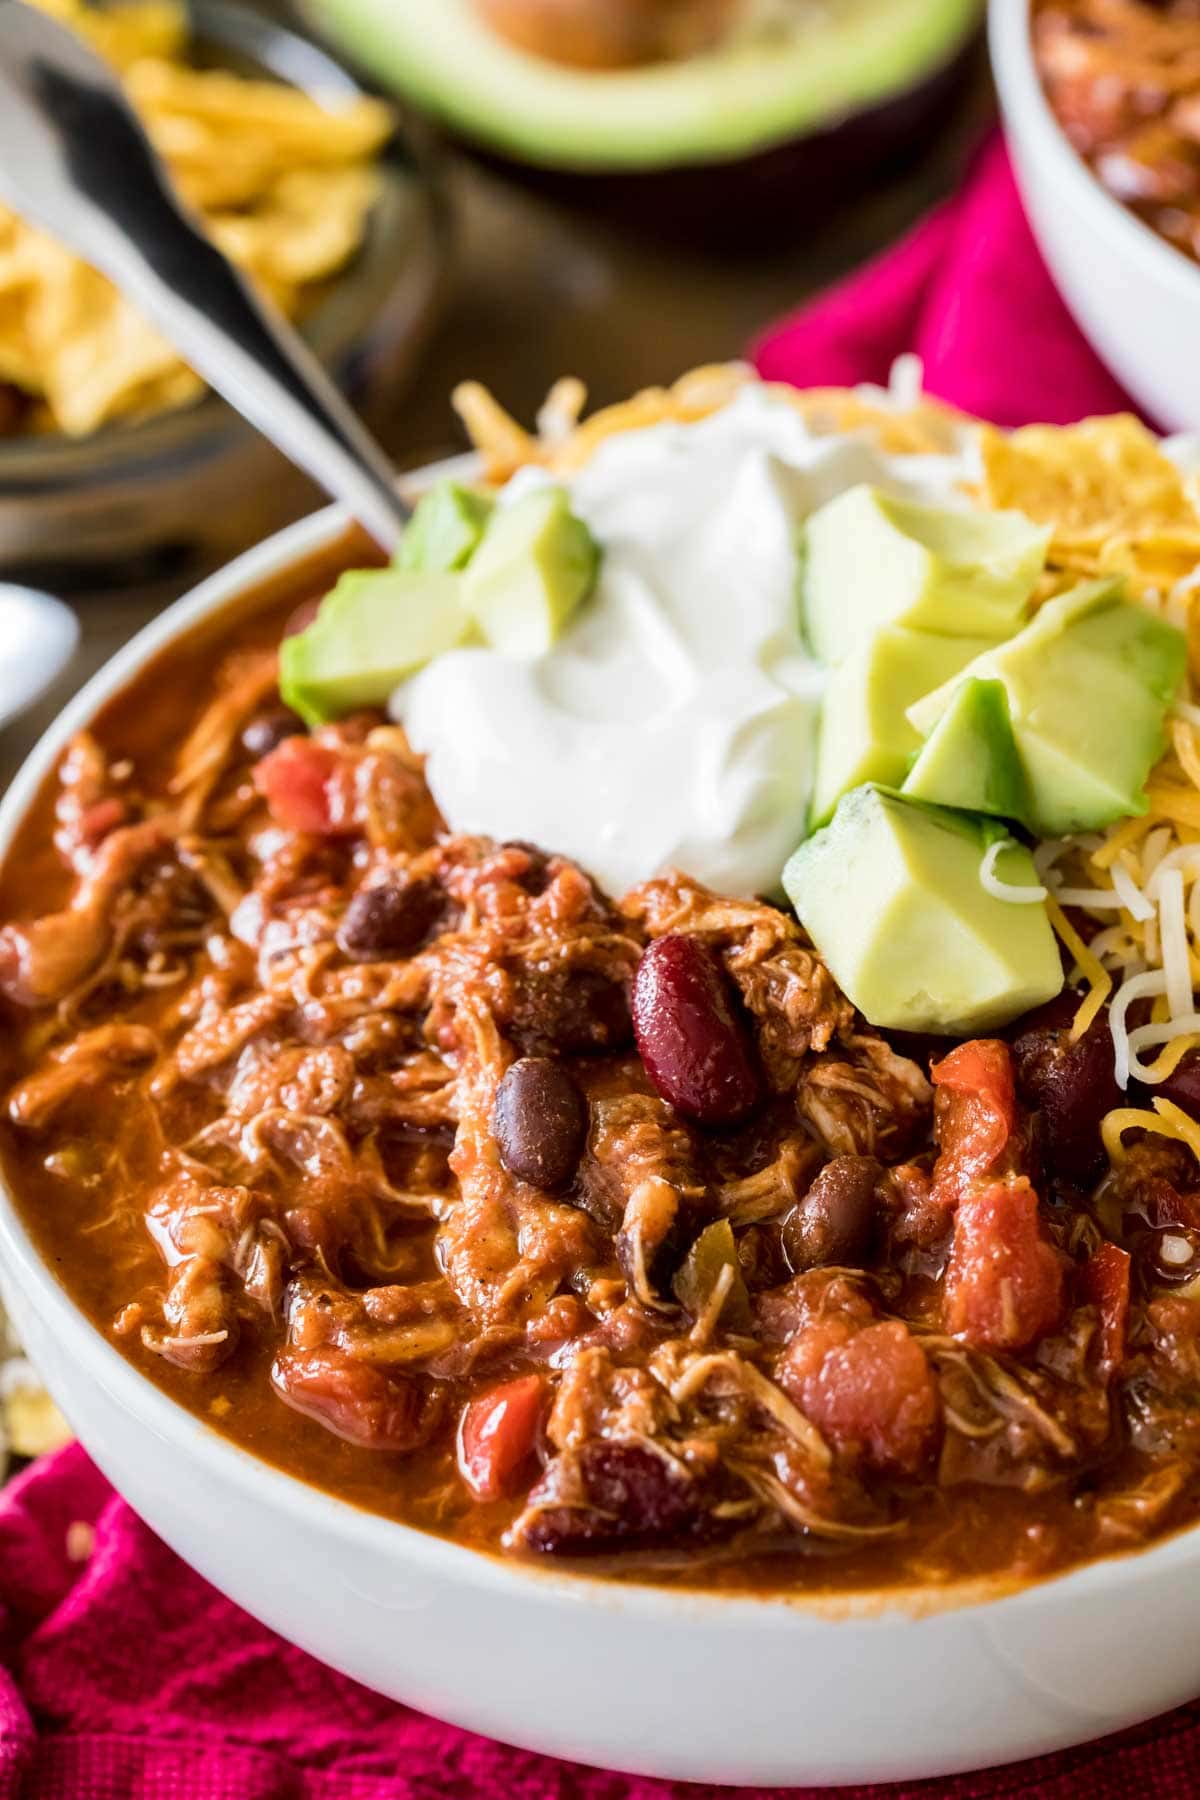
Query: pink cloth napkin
[124,1676]
[969,292]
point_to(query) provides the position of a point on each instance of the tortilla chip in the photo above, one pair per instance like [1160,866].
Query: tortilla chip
[1115,502]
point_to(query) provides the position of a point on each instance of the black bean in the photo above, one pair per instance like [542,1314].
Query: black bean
[540,1122]
[1182,1085]
[390,918]
[267,730]
[834,1221]
[1172,1253]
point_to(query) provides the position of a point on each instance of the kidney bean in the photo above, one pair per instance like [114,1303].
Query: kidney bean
[267,730]
[834,1221]
[693,1044]
[1182,1085]
[635,1498]
[390,918]
[1071,1084]
[540,1122]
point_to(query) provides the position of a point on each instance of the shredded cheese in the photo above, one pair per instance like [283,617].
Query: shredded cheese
[1179,805]
[1135,987]
[1015,892]
[1120,839]
[1183,736]
[1172,926]
[1167,1120]
[1090,967]
[1134,900]
[1178,1042]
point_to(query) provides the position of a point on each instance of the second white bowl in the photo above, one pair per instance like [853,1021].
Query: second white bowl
[1136,297]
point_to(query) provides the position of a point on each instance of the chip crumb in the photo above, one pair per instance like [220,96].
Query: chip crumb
[33,1423]
[81,1541]
[220,1406]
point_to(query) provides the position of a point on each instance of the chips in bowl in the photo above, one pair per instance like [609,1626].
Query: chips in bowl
[284,184]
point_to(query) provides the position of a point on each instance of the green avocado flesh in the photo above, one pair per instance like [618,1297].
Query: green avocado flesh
[445,529]
[870,560]
[1087,684]
[890,894]
[536,563]
[864,734]
[464,567]
[373,629]
[717,107]
[969,758]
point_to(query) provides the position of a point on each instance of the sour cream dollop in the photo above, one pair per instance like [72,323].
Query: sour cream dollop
[674,722]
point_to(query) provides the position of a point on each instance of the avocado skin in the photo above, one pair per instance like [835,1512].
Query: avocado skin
[774,196]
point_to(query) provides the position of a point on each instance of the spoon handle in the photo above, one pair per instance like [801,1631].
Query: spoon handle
[75,160]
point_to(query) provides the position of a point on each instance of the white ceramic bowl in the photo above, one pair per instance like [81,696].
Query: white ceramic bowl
[629,1676]
[1136,296]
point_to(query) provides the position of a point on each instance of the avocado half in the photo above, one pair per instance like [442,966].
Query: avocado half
[850,82]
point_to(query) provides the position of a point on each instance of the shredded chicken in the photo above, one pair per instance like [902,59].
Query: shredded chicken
[258,1055]
[790,994]
[866,1100]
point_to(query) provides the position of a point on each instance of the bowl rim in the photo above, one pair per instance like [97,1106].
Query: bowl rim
[261,1482]
[331,328]
[1030,119]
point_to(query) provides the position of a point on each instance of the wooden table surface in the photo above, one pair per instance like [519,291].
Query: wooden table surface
[538,289]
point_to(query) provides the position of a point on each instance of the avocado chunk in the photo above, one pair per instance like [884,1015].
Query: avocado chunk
[870,559]
[445,528]
[373,629]
[535,565]
[890,893]
[970,759]
[1088,683]
[864,734]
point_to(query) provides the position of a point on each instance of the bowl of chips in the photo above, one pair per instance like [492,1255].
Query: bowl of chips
[112,452]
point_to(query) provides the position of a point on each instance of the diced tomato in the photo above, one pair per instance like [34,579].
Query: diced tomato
[362,1404]
[497,1436]
[868,1389]
[1004,1283]
[1103,1282]
[308,787]
[976,1117]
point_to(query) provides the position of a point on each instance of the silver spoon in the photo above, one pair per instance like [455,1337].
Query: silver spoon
[75,161]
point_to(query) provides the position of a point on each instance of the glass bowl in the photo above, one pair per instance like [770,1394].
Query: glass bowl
[196,482]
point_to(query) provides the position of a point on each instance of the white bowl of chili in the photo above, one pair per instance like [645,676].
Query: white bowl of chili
[1136,296]
[740,1687]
